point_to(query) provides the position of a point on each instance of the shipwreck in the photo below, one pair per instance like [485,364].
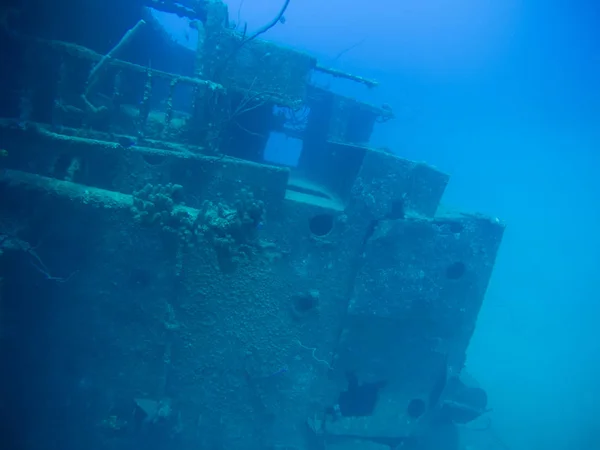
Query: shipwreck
[165,285]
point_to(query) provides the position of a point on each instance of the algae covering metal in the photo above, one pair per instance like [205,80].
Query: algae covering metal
[164,286]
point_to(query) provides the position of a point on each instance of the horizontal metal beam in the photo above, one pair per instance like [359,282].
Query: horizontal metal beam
[195,10]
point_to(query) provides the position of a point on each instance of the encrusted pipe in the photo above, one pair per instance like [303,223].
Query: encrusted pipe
[111,54]
[145,104]
[198,66]
[169,109]
[195,12]
[348,76]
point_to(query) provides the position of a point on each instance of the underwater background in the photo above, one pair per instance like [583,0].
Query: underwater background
[502,96]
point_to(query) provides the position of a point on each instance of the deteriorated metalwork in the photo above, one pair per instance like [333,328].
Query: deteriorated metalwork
[190,294]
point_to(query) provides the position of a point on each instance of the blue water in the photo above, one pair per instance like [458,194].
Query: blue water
[504,96]
[501,94]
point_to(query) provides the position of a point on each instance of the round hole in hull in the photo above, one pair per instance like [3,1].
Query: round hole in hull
[456,270]
[321,224]
[416,408]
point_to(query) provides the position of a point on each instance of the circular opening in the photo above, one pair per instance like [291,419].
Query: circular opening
[396,210]
[416,408]
[456,270]
[321,224]
[302,304]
